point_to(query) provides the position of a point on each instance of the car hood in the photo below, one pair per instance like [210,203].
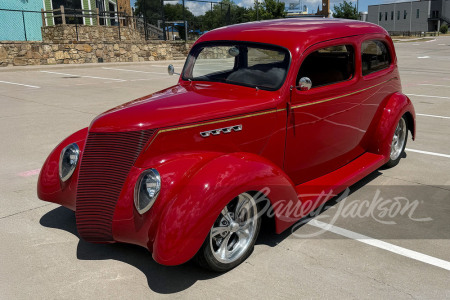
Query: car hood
[184,104]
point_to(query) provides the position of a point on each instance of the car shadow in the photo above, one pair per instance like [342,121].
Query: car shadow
[161,279]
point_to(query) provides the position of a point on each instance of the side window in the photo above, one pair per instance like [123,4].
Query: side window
[375,56]
[329,65]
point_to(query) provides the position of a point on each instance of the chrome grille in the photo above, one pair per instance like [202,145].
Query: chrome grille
[106,161]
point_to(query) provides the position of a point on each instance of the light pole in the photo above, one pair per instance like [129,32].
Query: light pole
[410,19]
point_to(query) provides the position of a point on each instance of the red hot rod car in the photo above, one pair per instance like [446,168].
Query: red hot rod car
[294,107]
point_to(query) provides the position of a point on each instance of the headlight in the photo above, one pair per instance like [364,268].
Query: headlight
[68,161]
[147,190]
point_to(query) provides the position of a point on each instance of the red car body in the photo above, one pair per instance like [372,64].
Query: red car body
[297,143]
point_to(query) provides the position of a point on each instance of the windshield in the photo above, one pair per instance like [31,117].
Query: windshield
[247,64]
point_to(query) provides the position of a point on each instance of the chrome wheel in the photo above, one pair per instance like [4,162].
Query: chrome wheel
[399,139]
[234,230]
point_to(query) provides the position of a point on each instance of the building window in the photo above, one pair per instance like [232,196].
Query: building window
[404,14]
[379,18]
[70,8]
[375,56]
[385,16]
[398,15]
[417,13]
[392,15]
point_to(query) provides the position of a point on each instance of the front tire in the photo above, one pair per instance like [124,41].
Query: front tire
[398,143]
[233,235]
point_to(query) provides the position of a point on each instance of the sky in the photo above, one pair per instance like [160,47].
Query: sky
[198,8]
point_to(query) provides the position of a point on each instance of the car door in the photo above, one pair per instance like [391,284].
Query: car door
[323,127]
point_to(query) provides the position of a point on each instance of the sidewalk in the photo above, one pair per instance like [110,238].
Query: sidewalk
[88,65]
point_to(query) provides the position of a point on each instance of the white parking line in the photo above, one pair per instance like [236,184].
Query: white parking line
[433,116]
[428,152]
[423,56]
[15,83]
[135,71]
[428,96]
[84,76]
[437,85]
[160,66]
[382,245]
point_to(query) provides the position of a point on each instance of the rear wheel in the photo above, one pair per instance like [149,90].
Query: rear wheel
[232,236]
[398,143]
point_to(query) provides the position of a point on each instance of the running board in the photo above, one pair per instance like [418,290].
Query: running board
[314,193]
[339,180]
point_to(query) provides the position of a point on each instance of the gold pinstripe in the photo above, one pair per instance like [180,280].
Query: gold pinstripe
[213,122]
[341,96]
[264,112]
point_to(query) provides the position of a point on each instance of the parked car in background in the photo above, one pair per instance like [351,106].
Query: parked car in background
[288,109]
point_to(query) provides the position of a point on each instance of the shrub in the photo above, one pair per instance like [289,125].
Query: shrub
[443,29]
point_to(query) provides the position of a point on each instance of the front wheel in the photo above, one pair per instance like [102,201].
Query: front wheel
[398,143]
[232,236]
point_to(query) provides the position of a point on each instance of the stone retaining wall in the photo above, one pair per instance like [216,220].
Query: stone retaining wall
[42,53]
[86,33]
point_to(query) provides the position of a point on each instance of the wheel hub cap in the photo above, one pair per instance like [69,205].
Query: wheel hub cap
[234,230]
[234,227]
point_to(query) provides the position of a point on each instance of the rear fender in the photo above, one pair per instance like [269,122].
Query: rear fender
[396,106]
[188,217]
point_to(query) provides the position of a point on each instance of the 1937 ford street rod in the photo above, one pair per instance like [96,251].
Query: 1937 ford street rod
[296,107]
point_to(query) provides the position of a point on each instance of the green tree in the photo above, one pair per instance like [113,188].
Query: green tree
[174,12]
[443,29]
[224,14]
[149,9]
[267,10]
[345,10]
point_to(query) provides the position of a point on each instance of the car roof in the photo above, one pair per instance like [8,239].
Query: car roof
[294,34]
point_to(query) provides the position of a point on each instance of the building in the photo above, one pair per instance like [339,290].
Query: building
[412,16]
[15,26]
[71,6]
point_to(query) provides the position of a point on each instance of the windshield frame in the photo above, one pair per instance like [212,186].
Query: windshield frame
[195,51]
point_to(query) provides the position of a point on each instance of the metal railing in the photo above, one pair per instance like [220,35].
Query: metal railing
[23,25]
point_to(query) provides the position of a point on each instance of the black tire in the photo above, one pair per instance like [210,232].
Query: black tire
[208,258]
[397,149]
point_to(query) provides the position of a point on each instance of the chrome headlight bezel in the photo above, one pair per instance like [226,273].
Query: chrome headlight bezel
[73,162]
[142,193]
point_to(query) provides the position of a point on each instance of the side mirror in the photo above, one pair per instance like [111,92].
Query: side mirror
[171,70]
[304,84]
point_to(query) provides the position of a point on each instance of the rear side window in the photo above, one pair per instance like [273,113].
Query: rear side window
[375,56]
[328,65]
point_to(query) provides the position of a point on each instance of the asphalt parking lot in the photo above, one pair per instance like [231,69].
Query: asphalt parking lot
[365,254]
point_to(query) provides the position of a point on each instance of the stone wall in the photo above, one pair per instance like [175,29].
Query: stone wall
[43,53]
[85,33]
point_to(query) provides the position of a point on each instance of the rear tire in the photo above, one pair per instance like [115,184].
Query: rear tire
[398,143]
[233,235]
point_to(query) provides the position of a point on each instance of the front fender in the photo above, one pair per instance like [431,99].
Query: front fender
[188,217]
[396,106]
[49,186]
